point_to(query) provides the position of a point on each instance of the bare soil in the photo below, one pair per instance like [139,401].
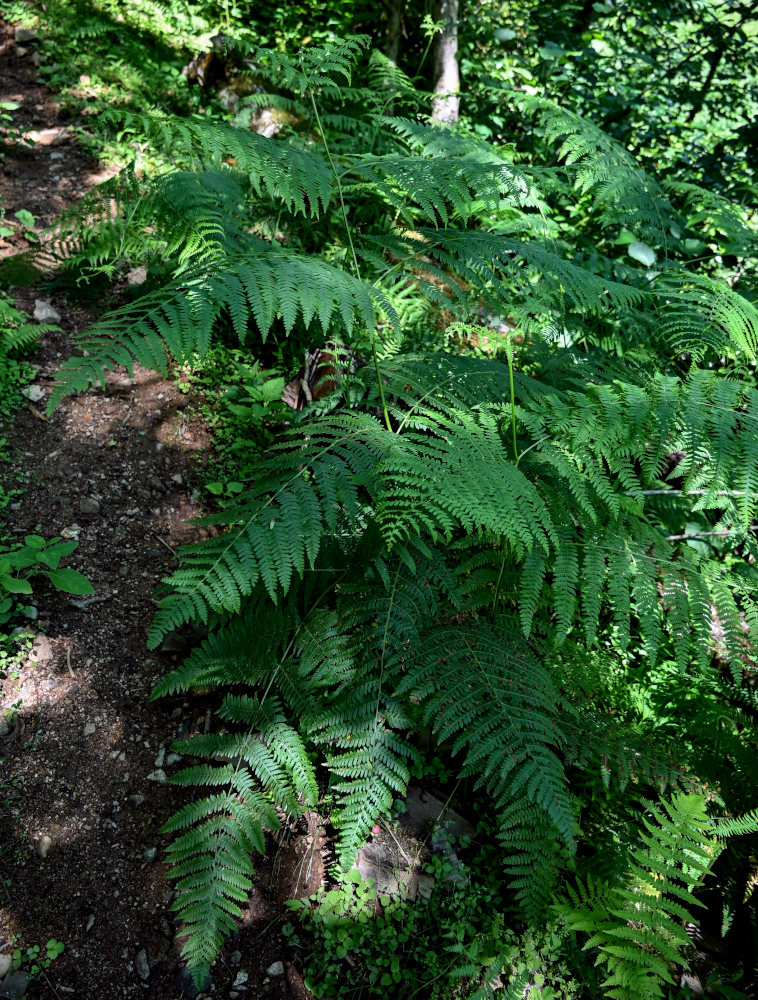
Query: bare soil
[80,816]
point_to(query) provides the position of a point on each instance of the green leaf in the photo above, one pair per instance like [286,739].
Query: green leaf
[642,253]
[25,217]
[15,586]
[70,581]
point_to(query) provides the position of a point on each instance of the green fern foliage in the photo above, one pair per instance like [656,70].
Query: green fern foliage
[636,925]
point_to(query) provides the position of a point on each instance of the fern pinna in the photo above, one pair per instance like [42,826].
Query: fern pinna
[482,540]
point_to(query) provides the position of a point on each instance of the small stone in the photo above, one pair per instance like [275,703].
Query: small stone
[6,961]
[156,484]
[42,650]
[34,393]
[57,156]
[21,35]
[173,758]
[275,969]
[71,531]
[88,505]
[233,994]
[13,987]
[235,958]
[143,967]
[90,922]
[158,775]
[4,727]
[136,800]
[161,757]
[177,478]
[149,854]
[123,570]
[44,312]
[30,612]
[137,276]
[242,976]
[43,845]
[89,728]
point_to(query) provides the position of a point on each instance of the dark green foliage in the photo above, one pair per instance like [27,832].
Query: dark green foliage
[485,542]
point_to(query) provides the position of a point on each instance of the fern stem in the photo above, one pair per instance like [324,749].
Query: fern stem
[509,358]
[372,334]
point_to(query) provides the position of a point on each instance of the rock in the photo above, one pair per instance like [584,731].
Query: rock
[161,757]
[34,393]
[156,484]
[90,922]
[21,35]
[6,961]
[173,758]
[177,478]
[14,986]
[137,276]
[4,727]
[30,612]
[89,728]
[143,967]
[242,977]
[44,312]
[88,505]
[43,845]
[158,775]
[235,958]
[275,969]
[71,531]
[42,650]
[174,642]
[149,854]
[136,800]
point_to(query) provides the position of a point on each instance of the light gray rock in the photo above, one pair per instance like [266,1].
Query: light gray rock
[275,969]
[6,961]
[21,35]
[89,728]
[149,854]
[158,775]
[13,987]
[88,505]
[143,966]
[160,757]
[173,758]
[137,276]
[42,650]
[43,845]
[44,312]
[136,800]
[242,976]
[34,393]
[90,922]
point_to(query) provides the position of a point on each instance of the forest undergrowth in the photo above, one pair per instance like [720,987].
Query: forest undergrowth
[482,514]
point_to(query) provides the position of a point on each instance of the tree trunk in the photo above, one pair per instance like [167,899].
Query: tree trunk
[446,77]
[394,13]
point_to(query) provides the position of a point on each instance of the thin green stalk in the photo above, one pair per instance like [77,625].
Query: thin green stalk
[353,253]
[509,357]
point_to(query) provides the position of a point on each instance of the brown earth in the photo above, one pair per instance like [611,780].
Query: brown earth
[80,816]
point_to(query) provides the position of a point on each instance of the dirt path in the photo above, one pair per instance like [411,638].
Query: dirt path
[81,795]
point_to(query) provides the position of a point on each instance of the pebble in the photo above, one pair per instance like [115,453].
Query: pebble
[236,957]
[89,729]
[275,969]
[6,961]
[242,976]
[42,650]
[43,845]
[173,758]
[44,312]
[136,800]
[143,967]
[88,505]
[177,478]
[161,757]
[149,854]
[34,393]
[90,922]
[21,35]
[158,775]
[14,986]
[30,612]
[137,276]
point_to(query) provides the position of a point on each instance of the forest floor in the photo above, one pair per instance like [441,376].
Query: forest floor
[82,768]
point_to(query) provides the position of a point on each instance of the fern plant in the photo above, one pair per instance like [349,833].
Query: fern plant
[421,551]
